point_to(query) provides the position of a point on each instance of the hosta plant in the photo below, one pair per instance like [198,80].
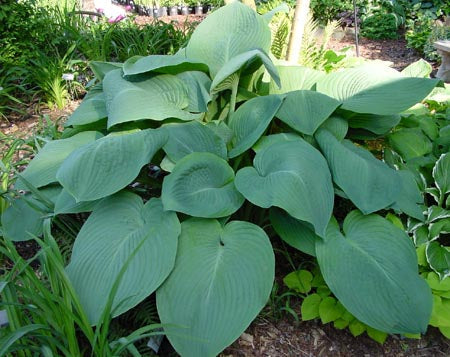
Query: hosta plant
[185,162]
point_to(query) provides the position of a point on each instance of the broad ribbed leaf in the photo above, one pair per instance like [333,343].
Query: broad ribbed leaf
[198,85]
[291,175]
[372,270]
[66,203]
[375,89]
[100,69]
[187,138]
[161,64]
[158,97]
[420,68]
[250,121]
[91,110]
[409,197]
[378,124]
[305,110]
[441,175]
[369,183]
[439,259]
[297,234]
[122,231]
[295,78]
[222,278]
[410,143]
[201,185]
[239,62]
[269,140]
[109,164]
[228,32]
[42,169]
[336,126]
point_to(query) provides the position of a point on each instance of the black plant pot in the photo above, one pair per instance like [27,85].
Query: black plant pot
[173,11]
[162,11]
[184,10]
[149,11]
[198,10]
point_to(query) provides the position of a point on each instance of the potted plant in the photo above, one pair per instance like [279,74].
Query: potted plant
[173,9]
[184,9]
[163,8]
[198,9]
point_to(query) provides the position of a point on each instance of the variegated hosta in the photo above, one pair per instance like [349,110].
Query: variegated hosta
[235,136]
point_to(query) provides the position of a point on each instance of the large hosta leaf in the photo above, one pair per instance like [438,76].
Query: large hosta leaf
[372,270]
[369,183]
[250,121]
[239,62]
[161,64]
[222,278]
[109,164]
[291,175]
[295,78]
[198,85]
[66,203]
[201,185]
[228,32]
[375,89]
[378,124]
[296,233]
[410,143]
[91,110]
[122,231]
[42,169]
[409,197]
[149,97]
[305,110]
[187,138]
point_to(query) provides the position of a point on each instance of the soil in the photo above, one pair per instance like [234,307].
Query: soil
[283,336]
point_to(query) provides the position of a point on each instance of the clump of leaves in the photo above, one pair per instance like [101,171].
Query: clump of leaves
[182,159]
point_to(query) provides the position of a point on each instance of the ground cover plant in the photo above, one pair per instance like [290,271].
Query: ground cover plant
[188,162]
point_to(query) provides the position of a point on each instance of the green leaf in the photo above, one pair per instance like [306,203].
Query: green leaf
[229,31]
[369,183]
[161,64]
[186,138]
[91,110]
[295,78]
[305,110]
[409,197]
[291,175]
[198,85]
[250,121]
[336,126]
[420,69]
[376,335]
[66,203]
[439,259]
[441,175]
[297,234]
[375,89]
[240,62]
[20,221]
[107,165]
[100,69]
[201,185]
[356,328]
[269,140]
[373,272]
[441,312]
[437,284]
[310,307]
[42,169]
[378,124]
[119,227]
[222,278]
[330,310]
[129,100]
[299,281]
[410,143]
[9,339]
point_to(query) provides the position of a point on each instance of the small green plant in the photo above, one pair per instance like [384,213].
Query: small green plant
[181,159]
[380,26]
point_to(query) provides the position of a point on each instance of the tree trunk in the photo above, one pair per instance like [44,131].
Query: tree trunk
[298,26]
